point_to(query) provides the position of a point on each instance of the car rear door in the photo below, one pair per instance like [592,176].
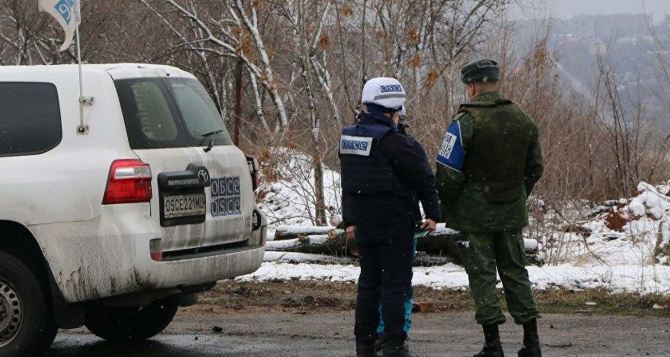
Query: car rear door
[198,198]
[230,195]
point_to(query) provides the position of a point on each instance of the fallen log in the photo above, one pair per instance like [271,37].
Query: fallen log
[292,232]
[439,247]
[335,243]
[447,242]
[339,247]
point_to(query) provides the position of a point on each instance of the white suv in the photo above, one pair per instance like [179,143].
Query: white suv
[116,227]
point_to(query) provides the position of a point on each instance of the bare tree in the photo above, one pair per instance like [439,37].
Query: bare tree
[232,32]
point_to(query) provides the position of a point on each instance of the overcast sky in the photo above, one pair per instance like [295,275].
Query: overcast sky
[569,8]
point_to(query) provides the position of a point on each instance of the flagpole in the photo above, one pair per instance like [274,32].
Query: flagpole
[68,14]
[82,128]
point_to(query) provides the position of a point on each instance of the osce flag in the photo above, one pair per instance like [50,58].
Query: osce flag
[68,15]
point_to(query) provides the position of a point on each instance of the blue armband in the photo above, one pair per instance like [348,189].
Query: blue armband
[452,153]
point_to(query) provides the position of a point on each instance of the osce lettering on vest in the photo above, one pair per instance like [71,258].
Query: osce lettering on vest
[452,153]
[355,145]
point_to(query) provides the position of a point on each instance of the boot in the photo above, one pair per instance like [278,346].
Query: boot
[492,346]
[379,344]
[365,349]
[531,341]
[394,348]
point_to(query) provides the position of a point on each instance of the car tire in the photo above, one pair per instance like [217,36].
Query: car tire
[27,326]
[121,324]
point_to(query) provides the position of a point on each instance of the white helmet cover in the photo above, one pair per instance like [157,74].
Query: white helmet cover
[386,92]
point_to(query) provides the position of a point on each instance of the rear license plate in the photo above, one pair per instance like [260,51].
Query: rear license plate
[178,206]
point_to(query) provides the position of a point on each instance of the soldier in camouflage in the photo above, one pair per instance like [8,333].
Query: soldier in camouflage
[489,162]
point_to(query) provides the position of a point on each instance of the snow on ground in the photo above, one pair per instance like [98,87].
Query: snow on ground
[632,256]
[632,233]
[632,278]
[291,200]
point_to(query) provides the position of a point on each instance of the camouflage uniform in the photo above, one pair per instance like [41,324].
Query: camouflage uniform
[487,167]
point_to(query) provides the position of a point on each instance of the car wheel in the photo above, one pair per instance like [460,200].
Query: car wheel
[27,326]
[116,324]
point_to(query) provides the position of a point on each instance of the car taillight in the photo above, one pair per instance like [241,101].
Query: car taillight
[253,170]
[129,181]
[155,251]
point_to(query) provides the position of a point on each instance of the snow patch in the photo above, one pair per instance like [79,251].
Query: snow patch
[630,278]
[595,244]
[290,199]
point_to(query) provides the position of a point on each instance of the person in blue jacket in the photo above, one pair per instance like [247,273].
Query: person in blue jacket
[385,173]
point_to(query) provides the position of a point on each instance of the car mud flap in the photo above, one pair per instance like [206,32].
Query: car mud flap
[67,315]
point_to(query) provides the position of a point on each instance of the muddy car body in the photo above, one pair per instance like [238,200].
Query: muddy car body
[120,224]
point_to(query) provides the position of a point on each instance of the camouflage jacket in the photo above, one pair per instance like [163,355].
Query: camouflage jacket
[487,166]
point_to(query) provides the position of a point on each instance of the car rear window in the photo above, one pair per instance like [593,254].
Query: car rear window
[30,121]
[169,113]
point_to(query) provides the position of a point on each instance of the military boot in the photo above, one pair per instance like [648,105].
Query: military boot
[531,341]
[492,346]
[395,348]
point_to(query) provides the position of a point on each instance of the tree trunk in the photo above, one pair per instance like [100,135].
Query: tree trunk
[320,202]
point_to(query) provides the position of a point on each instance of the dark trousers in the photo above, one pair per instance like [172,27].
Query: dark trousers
[386,255]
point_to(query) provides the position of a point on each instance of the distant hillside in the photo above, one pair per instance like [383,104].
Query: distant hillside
[625,39]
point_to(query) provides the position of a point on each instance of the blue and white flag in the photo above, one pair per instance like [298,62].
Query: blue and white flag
[68,15]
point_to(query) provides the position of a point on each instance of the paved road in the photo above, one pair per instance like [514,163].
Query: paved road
[329,334]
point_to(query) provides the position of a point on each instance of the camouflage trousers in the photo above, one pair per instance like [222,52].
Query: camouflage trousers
[504,251]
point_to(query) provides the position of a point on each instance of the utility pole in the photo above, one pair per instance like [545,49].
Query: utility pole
[238,100]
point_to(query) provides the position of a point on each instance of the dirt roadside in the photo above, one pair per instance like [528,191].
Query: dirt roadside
[312,296]
[316,319]
[267,334]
